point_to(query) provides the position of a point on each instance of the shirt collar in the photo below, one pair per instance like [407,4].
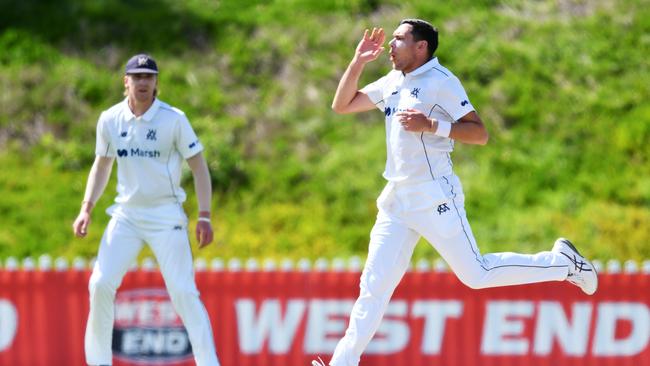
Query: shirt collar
[147,116]
[426,67]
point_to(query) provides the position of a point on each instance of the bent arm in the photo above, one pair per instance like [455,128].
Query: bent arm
[469,130]
[348,98]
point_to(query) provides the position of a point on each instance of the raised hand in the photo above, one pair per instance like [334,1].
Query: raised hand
[371,45]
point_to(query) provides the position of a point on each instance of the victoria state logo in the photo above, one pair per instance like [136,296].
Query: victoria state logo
[147,329]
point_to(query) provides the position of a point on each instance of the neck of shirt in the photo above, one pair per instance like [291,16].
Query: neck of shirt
[139,109]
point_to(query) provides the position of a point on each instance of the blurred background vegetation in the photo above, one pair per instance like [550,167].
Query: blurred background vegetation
[563,86]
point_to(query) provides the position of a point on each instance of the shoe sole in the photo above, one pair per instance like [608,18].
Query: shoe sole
[574,249]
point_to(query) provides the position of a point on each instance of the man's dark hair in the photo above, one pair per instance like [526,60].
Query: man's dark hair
[424,31]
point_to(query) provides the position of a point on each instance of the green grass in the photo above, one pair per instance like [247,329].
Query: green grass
[562,87]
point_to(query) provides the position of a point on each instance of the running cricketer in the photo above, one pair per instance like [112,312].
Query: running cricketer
[427,110]
[150,140]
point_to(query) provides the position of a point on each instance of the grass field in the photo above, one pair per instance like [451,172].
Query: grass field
[561,85]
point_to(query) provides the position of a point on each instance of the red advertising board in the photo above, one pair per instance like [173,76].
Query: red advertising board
[267,318]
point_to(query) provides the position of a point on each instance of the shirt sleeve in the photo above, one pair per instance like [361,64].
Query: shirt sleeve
[103,146]
[187,142]
[375,91]
[453,98]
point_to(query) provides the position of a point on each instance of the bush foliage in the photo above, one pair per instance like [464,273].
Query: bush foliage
[561,85]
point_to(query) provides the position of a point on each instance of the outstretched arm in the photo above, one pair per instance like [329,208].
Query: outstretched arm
[203,187]
[97,180]
[348,98]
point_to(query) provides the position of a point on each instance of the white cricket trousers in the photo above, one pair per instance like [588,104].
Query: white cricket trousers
[434,210]
[122,241]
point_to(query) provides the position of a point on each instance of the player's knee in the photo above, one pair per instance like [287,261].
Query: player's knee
[472,280]
[180,292]
[474,284]
[375,285]
[99,286]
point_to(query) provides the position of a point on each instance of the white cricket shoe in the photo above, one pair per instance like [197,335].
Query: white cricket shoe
[318,362]
[581,273]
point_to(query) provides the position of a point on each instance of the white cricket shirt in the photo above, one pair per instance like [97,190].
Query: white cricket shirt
[436,92]
[150,151]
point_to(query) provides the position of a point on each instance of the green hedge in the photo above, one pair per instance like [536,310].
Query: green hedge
[562,87]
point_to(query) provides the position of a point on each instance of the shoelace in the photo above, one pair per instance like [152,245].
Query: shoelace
[579,264]
[318,363]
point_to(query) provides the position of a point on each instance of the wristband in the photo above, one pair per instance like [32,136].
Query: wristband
[204,219]
[443,129]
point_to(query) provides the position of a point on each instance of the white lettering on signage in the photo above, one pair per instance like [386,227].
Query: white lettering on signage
[8,324]
[510,327]
[326,322]
[503,329]
[435,315]
[609,314]
[145,312]
[269,324]
[552,324]
[139,341]
[393,333]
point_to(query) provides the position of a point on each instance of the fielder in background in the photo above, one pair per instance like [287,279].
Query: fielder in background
[427,110]
[150,140]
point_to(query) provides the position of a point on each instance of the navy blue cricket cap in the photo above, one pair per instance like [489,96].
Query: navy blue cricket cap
[141,64]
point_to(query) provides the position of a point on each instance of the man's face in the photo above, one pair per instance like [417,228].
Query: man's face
[402,49]
[141,87]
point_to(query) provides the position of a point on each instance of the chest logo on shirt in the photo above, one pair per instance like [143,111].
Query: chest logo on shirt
[443,208]
[137,152]
[392,110]
[151,135]
[415,92]
[464,103]
[123,134]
